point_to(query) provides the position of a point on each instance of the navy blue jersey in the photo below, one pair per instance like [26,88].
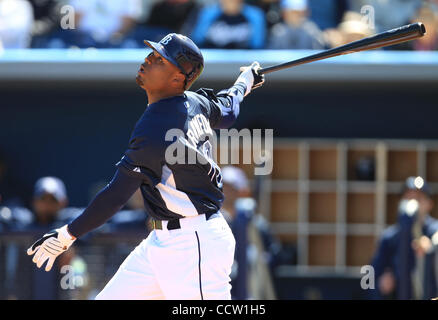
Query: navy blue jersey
[193,185]
[171,189]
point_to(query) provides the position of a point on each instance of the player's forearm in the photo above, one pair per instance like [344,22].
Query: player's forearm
[108,202]
[230,104]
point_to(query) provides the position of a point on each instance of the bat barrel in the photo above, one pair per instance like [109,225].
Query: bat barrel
[391,37]
[421,28]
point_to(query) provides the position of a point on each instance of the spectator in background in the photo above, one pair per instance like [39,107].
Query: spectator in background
[49,199]
[100,23]
[46,15]
[296,31]
[352,28]
[328,13]
[173,15]
[404,260]
[255,247]
[271,9]
[432,3]
[235,186]
[429,17]
[388,14]
[16,19]
[49,207]
[230,24]
[164,17]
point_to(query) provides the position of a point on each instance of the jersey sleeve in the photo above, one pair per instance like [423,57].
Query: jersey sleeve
[223,108]
[140,161]
[106,203]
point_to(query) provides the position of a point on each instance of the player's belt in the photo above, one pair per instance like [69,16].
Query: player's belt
[172,224]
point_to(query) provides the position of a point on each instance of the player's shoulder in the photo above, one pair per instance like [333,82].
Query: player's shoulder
[168,105]
[159,118]
[201,101]
[202,95]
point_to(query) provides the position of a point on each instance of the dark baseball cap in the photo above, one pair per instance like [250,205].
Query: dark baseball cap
[417,183]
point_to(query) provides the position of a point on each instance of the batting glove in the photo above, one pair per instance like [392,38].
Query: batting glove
[50,246]
[250,77]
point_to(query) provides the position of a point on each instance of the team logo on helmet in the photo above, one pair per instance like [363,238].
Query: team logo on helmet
[166,39]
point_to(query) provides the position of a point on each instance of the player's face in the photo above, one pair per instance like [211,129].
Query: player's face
[46,207]
[157,74]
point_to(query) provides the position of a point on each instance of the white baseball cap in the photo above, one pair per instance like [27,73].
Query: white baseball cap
[299,5]
[51,185]
[235,177]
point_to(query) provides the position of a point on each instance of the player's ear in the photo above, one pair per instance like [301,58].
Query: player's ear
[179,80]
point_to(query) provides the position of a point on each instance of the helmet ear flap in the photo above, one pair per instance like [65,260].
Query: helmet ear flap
[193,75]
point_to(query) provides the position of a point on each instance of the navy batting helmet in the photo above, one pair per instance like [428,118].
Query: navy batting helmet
[183,53]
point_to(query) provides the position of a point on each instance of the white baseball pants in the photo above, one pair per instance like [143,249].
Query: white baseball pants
[191,263]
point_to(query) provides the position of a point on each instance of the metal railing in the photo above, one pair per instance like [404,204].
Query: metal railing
[80,273]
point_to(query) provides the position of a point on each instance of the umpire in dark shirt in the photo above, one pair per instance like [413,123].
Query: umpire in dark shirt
[404,262]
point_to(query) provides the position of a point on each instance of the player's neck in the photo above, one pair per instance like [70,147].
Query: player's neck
[157,96]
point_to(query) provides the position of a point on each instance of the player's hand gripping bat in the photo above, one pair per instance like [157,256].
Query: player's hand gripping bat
[387,38]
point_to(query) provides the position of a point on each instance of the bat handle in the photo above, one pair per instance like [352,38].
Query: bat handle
[264,71]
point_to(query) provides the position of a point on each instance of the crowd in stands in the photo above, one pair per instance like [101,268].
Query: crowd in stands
[223,24]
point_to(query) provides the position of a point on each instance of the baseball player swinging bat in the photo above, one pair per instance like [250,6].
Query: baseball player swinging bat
[384,39]
[189,253]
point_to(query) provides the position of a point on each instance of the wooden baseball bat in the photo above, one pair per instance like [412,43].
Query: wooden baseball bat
[387,38]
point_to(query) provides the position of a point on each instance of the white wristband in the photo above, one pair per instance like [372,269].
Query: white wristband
[64,236]
[247,78]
